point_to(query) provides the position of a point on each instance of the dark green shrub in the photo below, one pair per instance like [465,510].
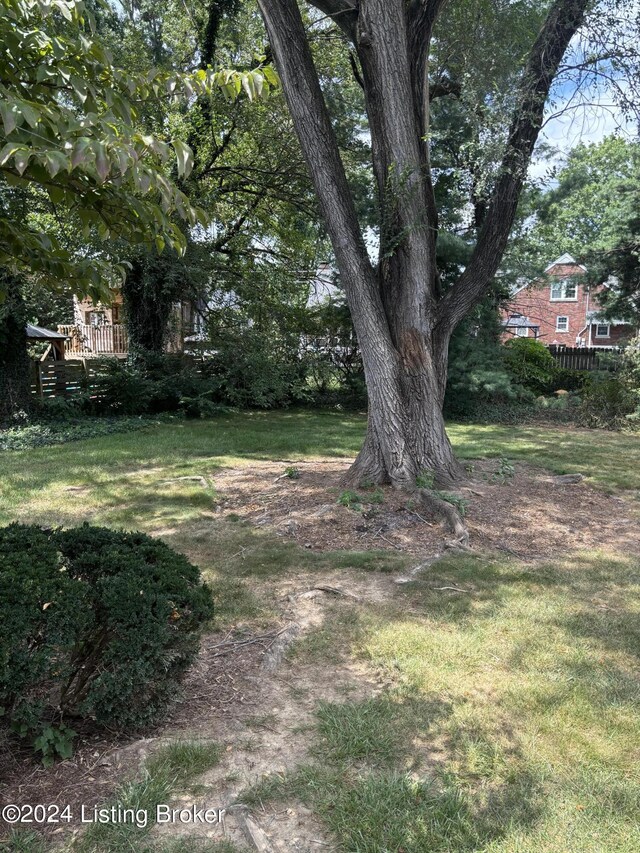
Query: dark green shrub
[123,390]
[606,404]
[530,364]
[57,409]
[569,380]
[54,432]
[251,374]
[94,623]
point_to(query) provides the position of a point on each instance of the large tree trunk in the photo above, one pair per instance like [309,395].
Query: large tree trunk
[406,433]
[15,364]
[402,318]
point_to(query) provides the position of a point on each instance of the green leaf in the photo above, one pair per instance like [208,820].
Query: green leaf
[184,156]
[8,116]
[80,151]
[103,166]
[7,152]
[30,114]
[55,161]
[21,160]
[271,75]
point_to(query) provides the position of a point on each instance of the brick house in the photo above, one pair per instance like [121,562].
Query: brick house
[560,308]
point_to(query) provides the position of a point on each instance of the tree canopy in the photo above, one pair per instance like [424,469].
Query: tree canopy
[75,155]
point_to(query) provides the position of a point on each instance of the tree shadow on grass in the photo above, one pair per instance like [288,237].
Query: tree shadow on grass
[470,588]
[359,787]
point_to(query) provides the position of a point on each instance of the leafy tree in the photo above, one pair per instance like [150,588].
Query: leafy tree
[593,211]
[73,151]
[403,313]
[154,283]
[79,169]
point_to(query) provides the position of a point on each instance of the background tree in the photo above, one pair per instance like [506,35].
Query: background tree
[15,365]
[77,157]
[592,210]
[73,136]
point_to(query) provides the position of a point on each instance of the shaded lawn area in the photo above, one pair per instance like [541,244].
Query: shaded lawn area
[510,721]
[120,474]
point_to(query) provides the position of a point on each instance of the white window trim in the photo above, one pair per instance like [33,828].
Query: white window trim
[608,325]
[562,317]
[563,283]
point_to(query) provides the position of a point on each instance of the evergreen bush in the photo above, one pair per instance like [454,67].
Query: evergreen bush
[94,624]
[530,364]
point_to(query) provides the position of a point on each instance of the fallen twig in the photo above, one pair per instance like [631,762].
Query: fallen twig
[260,639]
[452,588]
[198,479]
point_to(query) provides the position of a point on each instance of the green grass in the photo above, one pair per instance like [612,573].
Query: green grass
[509,721]
[610,460]
[511,724]
[168,771]
[120,479]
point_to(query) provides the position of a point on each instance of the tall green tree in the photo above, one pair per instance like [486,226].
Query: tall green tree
[403,315]
[80,166]
[592,210]
[15,366]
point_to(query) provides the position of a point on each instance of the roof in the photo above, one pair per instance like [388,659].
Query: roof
[594,317]
[44,334]
[565,260]
[520,322]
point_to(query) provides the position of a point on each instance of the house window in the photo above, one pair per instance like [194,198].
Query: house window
[522,332]
[562,324]
[95,318]
[602,330]
[564,290]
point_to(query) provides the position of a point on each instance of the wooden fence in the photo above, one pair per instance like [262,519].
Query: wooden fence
[63,378]
[584,358]
[87,341]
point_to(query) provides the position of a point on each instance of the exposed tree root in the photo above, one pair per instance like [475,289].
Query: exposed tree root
[362,470]
[449,513]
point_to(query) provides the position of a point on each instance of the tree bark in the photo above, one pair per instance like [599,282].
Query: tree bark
[402,319]
[15,364]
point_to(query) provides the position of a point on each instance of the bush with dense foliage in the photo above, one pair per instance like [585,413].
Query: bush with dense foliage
[630,375]
[95,624]
[478,380]
[63,426]
[530,364]
[606,404]
[255,371]
[243,373]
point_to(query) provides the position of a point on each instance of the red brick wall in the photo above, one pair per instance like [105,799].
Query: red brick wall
[534,301]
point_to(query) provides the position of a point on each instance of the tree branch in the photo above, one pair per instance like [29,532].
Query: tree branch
[310,116]
[343,12]
[563,21]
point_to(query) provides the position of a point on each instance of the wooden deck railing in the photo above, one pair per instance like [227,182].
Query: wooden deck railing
[87,341]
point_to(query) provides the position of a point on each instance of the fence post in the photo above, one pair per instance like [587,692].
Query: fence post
[38,377]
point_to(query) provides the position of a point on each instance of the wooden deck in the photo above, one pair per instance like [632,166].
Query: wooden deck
[95,341]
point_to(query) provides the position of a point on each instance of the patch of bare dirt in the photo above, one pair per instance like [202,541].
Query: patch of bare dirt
[216,686]
[533,515]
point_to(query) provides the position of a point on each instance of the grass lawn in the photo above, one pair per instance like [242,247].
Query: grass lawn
[119,477]
[511,723]
[508,718]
